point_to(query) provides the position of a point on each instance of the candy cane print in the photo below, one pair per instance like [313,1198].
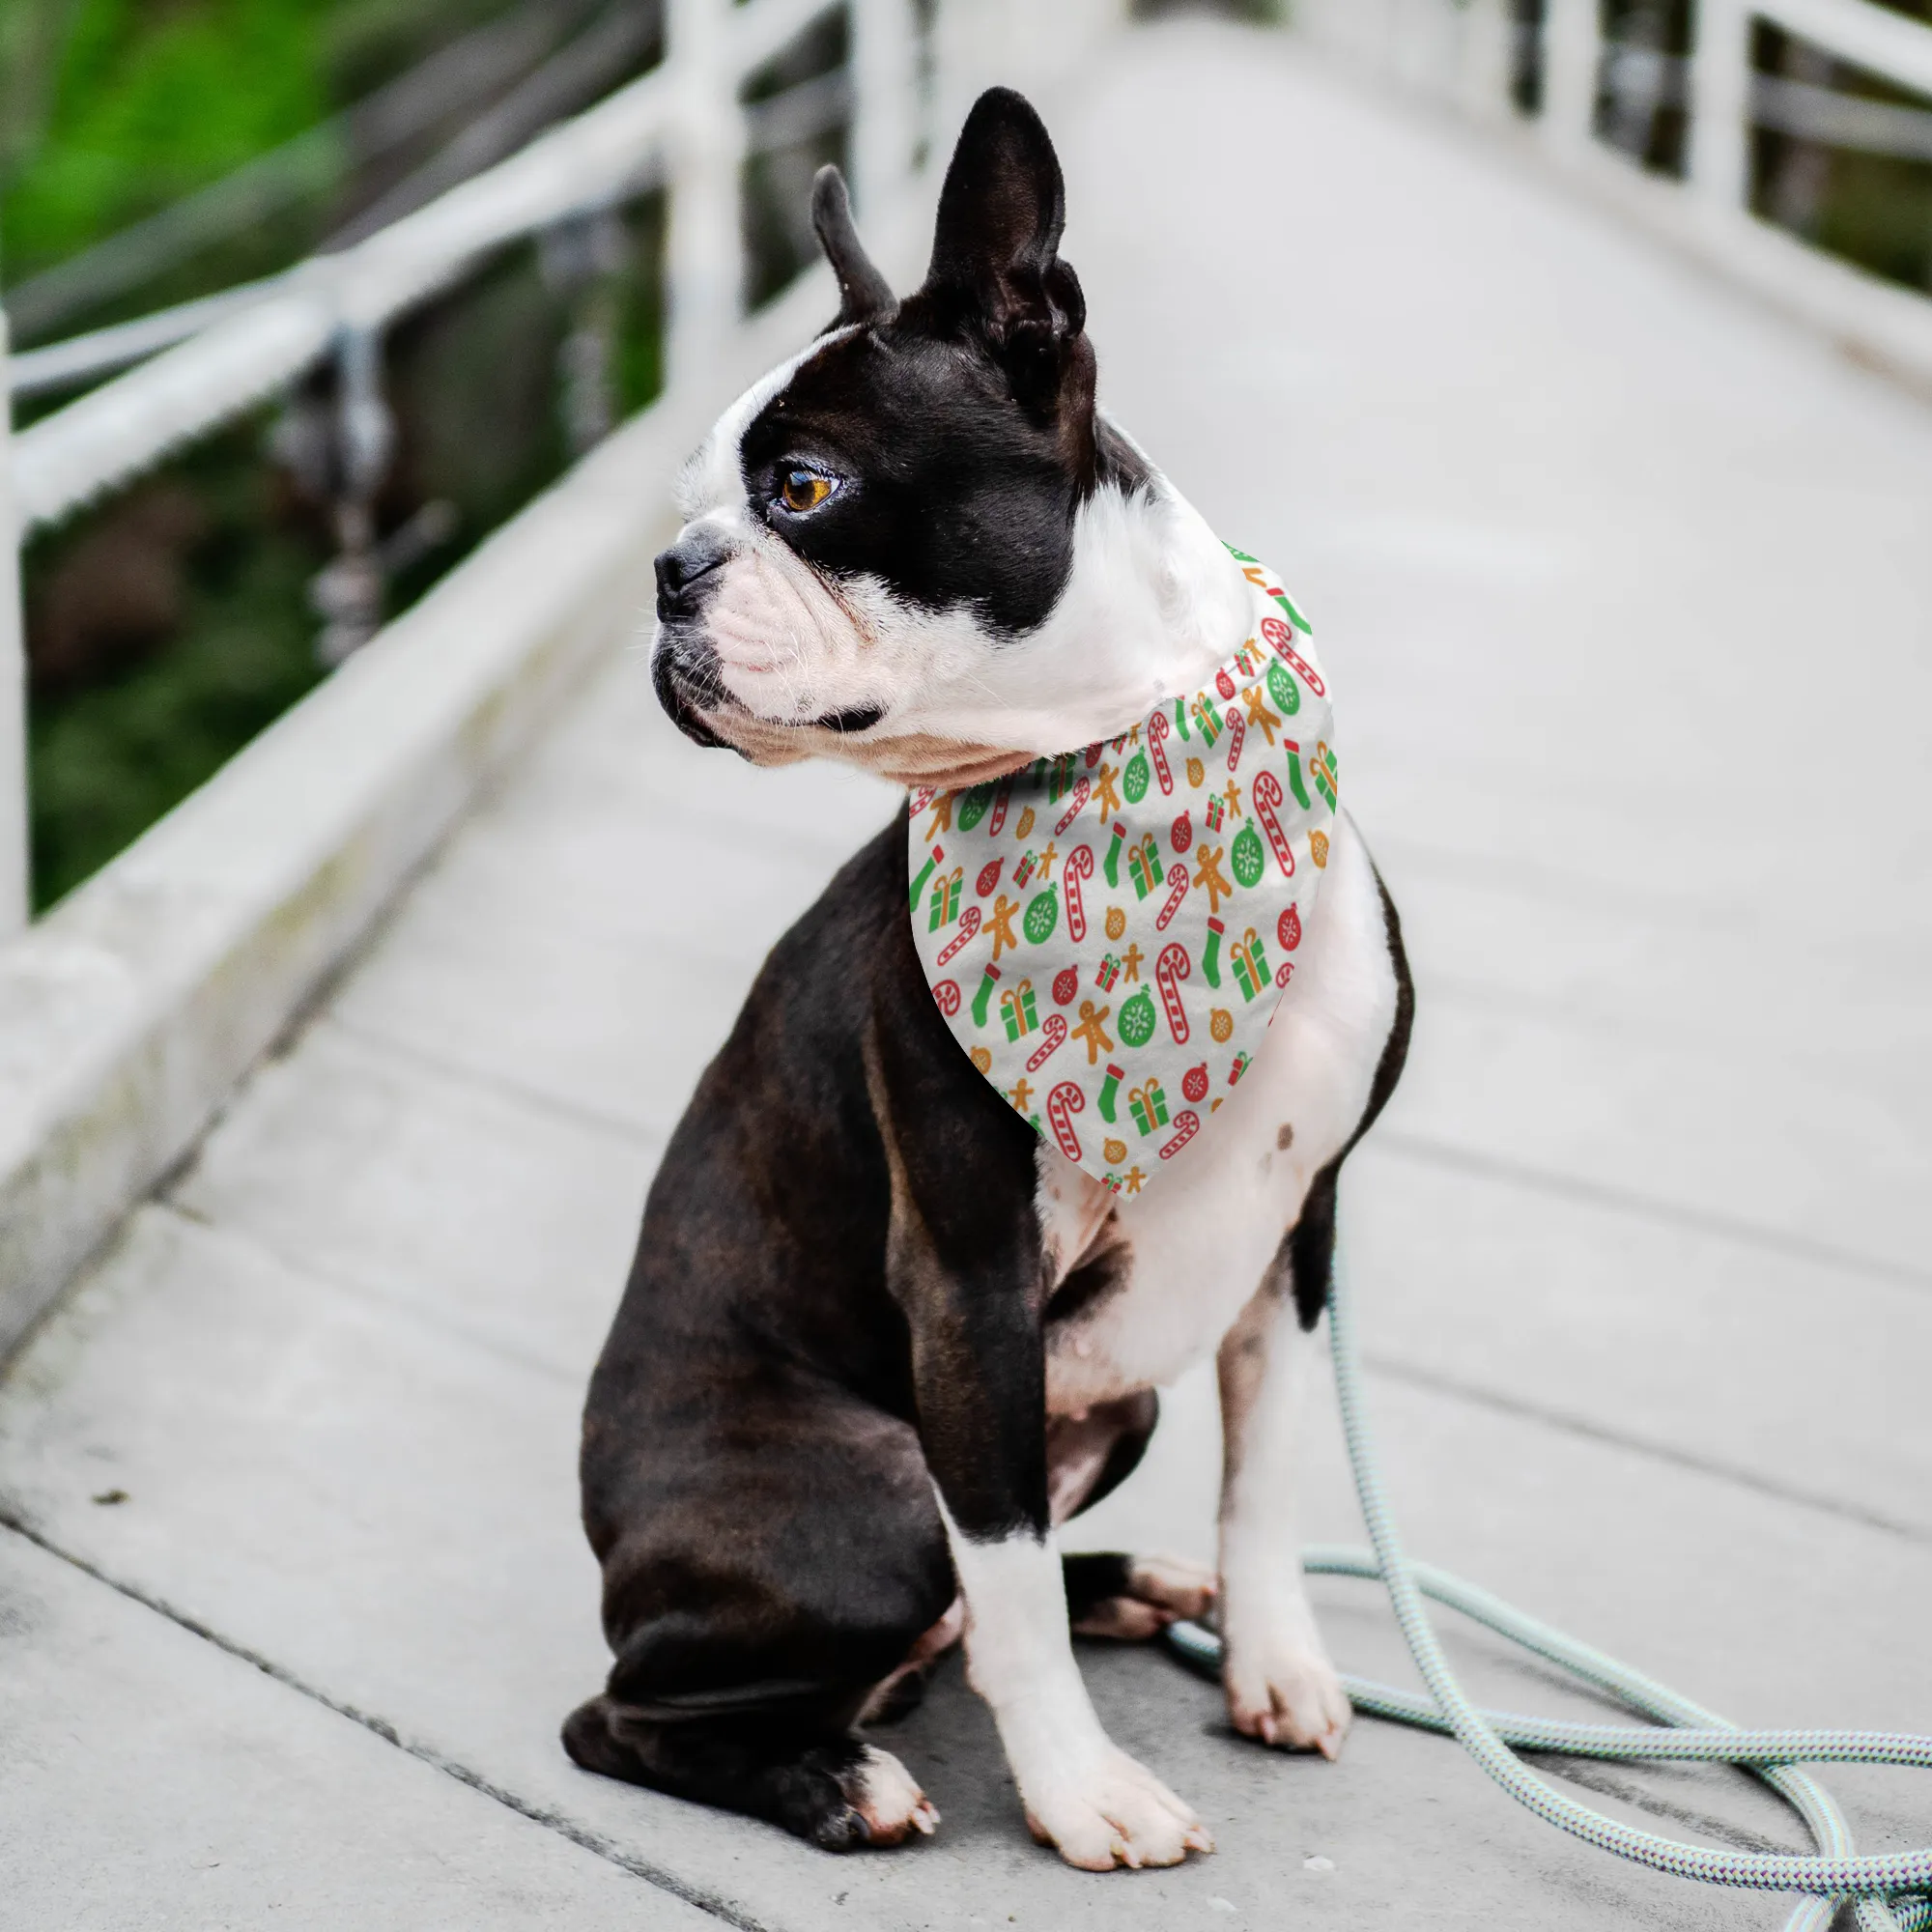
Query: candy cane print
[1082,792]
[920,800]
[1237,731]
[1052,1037]
[999,798]
[1186,1124]
[1173,967]
[1284,973]
[1061,1104]
[1281,637]
[947,993]
[1266,794]
[969,925]
[1158,732]
[1176,883]
[1079,865]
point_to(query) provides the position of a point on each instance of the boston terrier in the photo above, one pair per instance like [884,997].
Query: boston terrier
[882,1336]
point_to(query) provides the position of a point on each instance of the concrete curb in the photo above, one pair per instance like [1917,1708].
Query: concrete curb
[131,1010]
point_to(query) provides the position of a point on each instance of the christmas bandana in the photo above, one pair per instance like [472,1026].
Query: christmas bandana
[1108,932]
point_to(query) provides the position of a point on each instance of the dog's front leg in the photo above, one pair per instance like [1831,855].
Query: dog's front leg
[979,1382]
[1280,1684]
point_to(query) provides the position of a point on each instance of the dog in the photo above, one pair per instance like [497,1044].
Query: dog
[880,1337]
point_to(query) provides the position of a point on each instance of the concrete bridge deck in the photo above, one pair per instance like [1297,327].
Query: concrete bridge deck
[1629,594]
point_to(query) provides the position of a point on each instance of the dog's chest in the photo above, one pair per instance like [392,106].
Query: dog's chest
[1148,1284]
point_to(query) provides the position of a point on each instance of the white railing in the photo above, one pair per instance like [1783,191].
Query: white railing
[680,126]
[1468,51]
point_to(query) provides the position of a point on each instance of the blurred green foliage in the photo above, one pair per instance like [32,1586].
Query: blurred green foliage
[111,109]
[171,623]
[144,104]
[108,755]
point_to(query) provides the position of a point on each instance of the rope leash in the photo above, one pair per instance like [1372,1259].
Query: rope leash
[1879,1887]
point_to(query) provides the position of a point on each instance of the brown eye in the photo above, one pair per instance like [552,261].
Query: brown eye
[804,489]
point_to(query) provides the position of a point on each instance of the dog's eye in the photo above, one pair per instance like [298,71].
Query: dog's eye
[804,489]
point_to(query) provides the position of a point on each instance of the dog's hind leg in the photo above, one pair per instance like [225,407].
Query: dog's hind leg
[1109,1594]
[1133,1598]
[815,1779]
[758,1585]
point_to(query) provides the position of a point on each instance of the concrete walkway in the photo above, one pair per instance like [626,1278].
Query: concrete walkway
[1629,594]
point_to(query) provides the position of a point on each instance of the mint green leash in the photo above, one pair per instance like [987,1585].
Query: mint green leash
[1879,1887]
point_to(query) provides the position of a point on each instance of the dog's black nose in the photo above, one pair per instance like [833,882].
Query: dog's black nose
[687,574]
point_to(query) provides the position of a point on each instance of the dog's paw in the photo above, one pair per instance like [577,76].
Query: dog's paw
[1109,1811]
[1159,1590]
[887,1805]
[1285,1692]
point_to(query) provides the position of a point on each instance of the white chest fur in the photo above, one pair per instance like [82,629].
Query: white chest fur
[1184,1257]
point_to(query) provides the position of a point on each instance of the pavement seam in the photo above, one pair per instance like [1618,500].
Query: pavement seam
[1679,1458]
[593,1842]
[1430,1152]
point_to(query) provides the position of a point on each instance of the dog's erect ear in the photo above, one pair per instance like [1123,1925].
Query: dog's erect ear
[863,292]
[995,245]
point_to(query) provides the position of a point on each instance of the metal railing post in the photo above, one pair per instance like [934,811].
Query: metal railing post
[14,899]
[1483,59]
[348,592]
[703,255]
[1720,104]
[1573,48]
[885,89]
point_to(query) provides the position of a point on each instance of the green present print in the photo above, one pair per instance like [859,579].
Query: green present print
[1250,962]
[1018,1011]
[1322,769]
[1149,1106]
[1208,720]
[1144,866]
[943,904]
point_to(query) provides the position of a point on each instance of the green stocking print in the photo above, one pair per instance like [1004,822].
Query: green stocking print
[983,998]
[1110,1094]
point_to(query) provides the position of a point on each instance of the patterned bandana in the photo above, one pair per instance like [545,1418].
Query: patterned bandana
[1108,931]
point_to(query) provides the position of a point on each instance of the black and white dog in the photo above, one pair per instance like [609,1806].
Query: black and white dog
[879,1339]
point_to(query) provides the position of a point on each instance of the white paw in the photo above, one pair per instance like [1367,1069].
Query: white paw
[1285,1692]
[888,1799]
[1108,1811]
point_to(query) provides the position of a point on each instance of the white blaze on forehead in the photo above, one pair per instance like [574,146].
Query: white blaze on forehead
[713,477]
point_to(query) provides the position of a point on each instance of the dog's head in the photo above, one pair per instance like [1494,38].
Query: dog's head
[906,547]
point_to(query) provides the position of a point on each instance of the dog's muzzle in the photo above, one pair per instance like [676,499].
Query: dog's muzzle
[684,665]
